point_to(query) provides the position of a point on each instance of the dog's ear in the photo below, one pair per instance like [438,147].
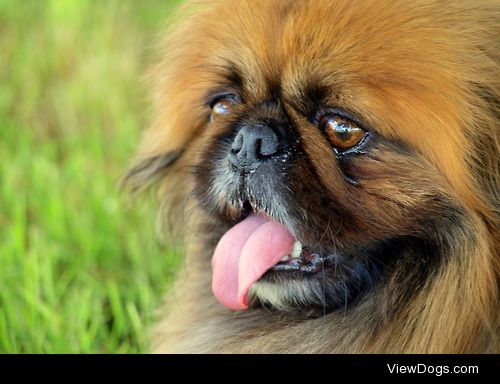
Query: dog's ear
[164,143]
[177,108]
[146,170]
[174,124]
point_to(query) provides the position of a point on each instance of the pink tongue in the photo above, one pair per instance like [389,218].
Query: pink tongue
[244,254]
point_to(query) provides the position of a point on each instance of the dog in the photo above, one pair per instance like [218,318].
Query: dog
[331,168]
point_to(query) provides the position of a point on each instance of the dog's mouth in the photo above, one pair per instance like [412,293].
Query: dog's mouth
[257,246]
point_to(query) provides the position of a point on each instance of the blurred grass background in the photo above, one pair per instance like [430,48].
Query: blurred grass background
[80,271]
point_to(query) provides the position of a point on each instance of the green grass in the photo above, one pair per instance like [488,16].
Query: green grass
[80,270]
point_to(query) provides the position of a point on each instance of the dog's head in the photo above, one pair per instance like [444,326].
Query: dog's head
[332,148]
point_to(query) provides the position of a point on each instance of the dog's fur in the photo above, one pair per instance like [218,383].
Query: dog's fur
[424,75]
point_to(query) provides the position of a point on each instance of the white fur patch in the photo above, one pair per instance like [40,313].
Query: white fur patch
[282,296]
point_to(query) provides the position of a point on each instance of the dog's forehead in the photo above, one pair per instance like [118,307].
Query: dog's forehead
[272,49]
[303,48]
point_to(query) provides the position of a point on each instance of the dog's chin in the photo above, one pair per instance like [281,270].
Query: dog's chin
[285,296]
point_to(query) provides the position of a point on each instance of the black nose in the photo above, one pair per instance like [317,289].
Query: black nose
[253,144]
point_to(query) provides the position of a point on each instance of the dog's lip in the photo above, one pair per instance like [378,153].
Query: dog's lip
[308,262]
[243,208]
[250,206]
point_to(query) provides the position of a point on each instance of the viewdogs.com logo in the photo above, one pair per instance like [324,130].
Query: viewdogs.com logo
[437,370]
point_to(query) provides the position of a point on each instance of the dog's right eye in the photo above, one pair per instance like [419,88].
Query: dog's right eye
[223,105]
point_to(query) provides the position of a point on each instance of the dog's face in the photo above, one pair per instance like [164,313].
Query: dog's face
[330,144]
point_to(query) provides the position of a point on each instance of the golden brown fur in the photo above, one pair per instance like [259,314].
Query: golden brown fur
[424,73]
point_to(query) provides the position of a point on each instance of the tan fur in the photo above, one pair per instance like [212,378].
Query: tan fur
[415,70]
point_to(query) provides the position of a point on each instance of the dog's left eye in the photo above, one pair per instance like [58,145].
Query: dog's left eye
[223,105]
[341,132]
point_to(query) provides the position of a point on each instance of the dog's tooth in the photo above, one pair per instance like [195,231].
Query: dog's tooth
[297,249]
[285,258]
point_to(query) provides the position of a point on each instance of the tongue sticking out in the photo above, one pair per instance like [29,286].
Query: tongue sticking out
[244,254]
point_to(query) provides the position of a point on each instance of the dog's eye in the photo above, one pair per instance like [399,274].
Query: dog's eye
[223,105]
[341,132]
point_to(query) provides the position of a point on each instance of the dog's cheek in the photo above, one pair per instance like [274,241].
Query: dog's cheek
[314,208]
[215,188]
[395,194]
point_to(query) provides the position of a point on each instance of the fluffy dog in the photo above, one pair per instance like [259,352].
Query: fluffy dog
[332,168]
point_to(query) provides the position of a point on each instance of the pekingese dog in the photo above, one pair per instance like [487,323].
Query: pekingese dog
[332,168]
